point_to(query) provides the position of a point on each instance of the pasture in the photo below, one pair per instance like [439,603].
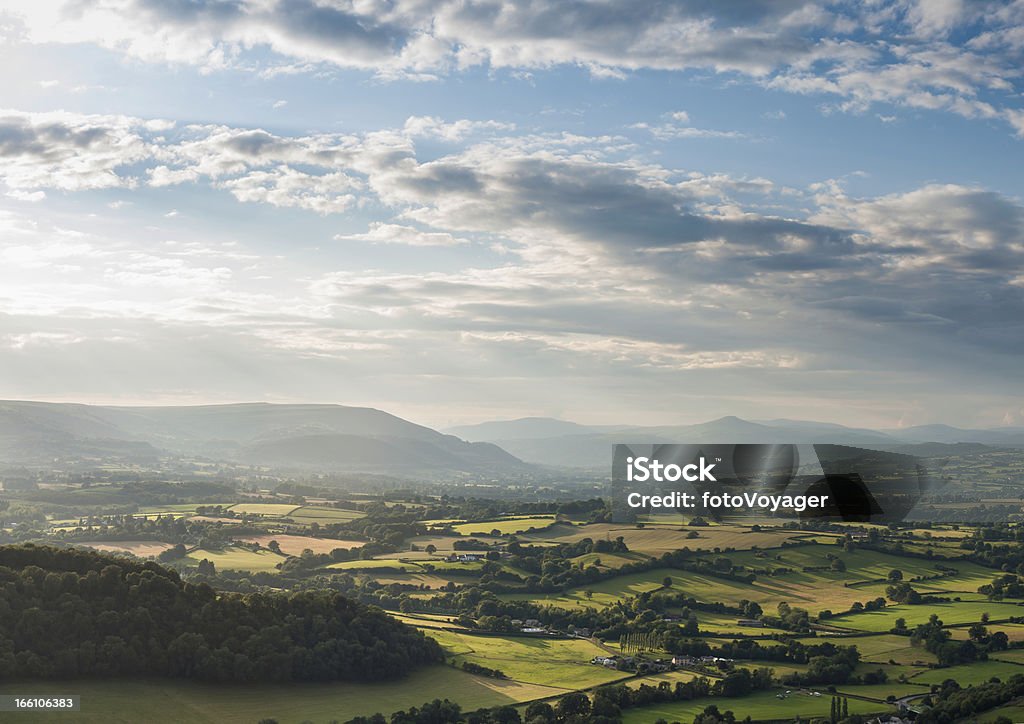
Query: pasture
[879,649]
[140,548]
[762,705]
[264,509]
[505,526]
[239,559]
[310,514]
[657,539]
[565,663]
[174,701]
[293,545]
[954,612]
[813,591]
[970,674]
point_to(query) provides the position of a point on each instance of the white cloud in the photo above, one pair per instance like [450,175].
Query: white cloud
[856,51]
[383,233]
[68,151]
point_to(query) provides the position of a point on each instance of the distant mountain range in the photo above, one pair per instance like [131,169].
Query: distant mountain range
[548,441]
[322,437]
[336,438]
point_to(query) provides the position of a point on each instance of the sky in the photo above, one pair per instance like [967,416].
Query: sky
[615,212]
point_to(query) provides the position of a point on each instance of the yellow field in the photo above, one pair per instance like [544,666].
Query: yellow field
[657,539]
[239,559]
[555,662]
[505,526]
[270,509]
[140,548]
[175,701]
[293,545]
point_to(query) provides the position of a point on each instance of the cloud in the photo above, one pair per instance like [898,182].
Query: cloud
[329,193]
[614,267]
[67,151]
[383,233]
[893,52]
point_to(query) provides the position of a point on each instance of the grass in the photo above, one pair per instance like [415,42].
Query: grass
[657,539]
[970,674]
[881,691]
[879,649]
[239,559]
[324,516]
[1015,655]
[377,564]
[432,582]
[811,591]
[949,613]
[270,509]
[293,545]
[864,565]
[558,662]
[140,548]
[504,526]
[1013,631]
[723,623]
[179,508]
[607,560]
[174,701]
[445,543]
[1013,711]
[762,705]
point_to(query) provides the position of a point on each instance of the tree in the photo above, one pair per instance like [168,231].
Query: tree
[667,582]
[539,711]
[576,704]
[431,548]
[895,575]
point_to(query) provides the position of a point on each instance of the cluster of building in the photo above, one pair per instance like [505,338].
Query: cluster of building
[699,660]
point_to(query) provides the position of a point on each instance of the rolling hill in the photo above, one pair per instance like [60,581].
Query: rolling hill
[326,437]
[560,443]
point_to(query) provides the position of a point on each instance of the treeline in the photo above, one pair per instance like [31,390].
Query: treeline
[951,702]
[605,707]
[938,641]
[72,612]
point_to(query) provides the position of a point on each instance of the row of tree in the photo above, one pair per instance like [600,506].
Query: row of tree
[72,612]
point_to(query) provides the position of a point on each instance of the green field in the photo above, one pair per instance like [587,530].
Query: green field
[881,691]
[1015,655]
[1013,711]
[970,674]
[657,539]
[880,649]
[607,560]
[864,565]
[375,564]
[949,613]
[554,662]
[1013,631]
[324,516]
[172,702]
[269,509]
[762,705]
[812,591]
[725,624]
[239,559]
[504,526]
